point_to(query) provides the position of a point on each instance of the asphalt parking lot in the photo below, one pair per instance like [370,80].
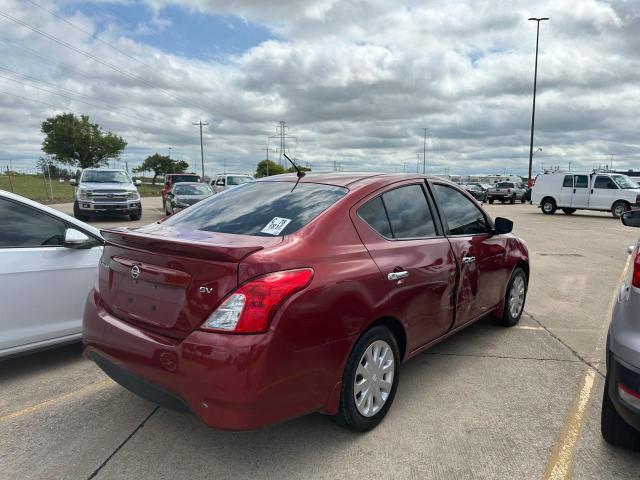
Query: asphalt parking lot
[490,402]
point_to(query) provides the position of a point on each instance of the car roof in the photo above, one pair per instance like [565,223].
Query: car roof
[345,179]
[51,211]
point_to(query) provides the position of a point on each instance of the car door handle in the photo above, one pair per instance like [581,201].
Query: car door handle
[393,276]
[467,260]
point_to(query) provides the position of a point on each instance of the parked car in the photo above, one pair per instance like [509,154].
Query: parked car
[620,421]
[276,299]
[170,179]
[220,183]
[600,191]
[507,192]
[106,191]
[184,194]
[476,191]
[48,264]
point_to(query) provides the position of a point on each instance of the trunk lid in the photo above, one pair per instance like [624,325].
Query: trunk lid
[167,279]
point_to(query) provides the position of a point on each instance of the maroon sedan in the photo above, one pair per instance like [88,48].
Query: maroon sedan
[283,297]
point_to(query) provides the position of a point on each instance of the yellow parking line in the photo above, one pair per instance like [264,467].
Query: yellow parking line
[526,327]
[559,463]
[94,387]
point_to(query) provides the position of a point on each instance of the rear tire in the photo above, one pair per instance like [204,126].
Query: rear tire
[512,200]
[569,211]
[78,213]
[614,429]
[548,206]
[619,207]
[367,414]
[514,299]
[491,201]
[523,199]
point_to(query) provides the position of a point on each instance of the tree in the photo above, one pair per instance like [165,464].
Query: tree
[266,168]
[293,170]
[77,142]
[160,165]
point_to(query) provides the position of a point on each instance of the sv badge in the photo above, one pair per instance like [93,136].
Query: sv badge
[205,289]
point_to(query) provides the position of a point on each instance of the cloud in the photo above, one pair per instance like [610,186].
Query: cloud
[356,80]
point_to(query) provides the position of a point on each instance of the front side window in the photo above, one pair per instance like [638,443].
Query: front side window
[23,226]
[462,216]
[263,209]
[581,181]
[220,182]
[568,181]
[604,182]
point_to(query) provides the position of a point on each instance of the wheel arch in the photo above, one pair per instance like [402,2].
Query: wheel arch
[397,329]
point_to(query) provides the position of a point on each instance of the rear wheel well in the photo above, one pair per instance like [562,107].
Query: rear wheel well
[397,329]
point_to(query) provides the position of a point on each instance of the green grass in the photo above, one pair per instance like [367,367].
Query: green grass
[33,187]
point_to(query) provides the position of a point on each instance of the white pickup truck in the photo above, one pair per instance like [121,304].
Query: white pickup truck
[507,192]
[571,191]
[106,191]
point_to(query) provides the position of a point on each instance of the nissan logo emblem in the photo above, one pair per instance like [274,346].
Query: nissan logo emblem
[135,272]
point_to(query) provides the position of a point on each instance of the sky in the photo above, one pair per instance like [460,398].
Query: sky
[356,81]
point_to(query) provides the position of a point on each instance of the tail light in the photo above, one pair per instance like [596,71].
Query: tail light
[251,307]
[635,281]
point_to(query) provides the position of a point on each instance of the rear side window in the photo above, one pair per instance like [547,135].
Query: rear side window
[264,209]
[568,181]
[374,214]
[581,181]
[401,213]
[462,216]
[23,226]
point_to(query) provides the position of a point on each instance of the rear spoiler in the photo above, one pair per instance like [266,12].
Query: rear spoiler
[205,245]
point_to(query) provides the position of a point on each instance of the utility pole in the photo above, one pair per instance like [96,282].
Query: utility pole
[535,82]
[281,133]
[424,153]
[611,162]
[200,124]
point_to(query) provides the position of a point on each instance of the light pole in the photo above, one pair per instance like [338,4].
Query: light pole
[535,82]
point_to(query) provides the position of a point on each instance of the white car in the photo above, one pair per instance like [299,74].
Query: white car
[219,183]
[571,191]
[48,265]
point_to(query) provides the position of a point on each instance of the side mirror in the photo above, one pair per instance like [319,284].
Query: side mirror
[73,181]
[631,218]
[137,183]
[169,194]
[76,239]
[502,226]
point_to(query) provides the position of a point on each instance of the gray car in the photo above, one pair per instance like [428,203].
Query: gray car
[185,194]
[620,421]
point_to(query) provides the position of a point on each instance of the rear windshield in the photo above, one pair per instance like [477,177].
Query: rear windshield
[184,178]
[505,185]
[264,209]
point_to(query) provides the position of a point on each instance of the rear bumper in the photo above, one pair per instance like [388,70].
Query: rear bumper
[231,382]
[617,373]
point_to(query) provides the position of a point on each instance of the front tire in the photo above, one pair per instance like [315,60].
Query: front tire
[136,216]
[78,213]
[514,299]
[619,207]
[512,200]
[614,429]
[370,380]
[548,206]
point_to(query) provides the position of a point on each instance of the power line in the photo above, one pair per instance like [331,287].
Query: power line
[93,57]
[281,133]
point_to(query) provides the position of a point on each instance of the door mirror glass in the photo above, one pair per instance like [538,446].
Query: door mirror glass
[503,226]
[138,183]
[631,218]
[76,239]
[73,181]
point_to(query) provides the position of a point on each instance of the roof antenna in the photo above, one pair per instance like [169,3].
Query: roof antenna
[299,173]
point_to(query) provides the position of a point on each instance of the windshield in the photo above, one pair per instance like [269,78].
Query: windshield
[262,209]
[106,176]
[197,189]
[238,179]
[183,178]
[624,182]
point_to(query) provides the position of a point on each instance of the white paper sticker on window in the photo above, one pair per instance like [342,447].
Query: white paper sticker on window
[276,225]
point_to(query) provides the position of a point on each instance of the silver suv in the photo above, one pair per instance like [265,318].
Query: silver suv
[620,421]
[108,191]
